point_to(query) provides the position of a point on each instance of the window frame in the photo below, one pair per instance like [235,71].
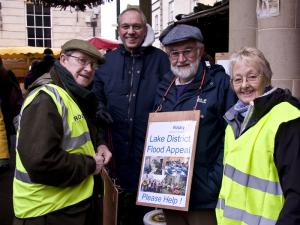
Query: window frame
[38,25]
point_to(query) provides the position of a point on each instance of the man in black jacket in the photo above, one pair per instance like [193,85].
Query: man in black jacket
[126,85]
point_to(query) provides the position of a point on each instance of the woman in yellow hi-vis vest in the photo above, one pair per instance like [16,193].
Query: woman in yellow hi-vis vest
[260,183]
[58,148]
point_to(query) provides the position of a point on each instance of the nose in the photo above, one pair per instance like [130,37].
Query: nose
[181,57]
[89,66]
[130,30]
[244,82]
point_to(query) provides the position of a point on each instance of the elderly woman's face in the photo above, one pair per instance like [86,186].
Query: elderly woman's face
[247,81]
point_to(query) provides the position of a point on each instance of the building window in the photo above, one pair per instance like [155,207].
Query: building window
[171,11]
[38,25]
[156,23]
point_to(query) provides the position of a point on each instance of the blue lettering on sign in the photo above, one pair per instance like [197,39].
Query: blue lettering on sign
[178,138]
[170,200]
[177,127]
[150,198]
[157,138]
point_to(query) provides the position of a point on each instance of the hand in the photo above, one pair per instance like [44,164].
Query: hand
[99,163]
[103,117]
[99,159]
[103,151]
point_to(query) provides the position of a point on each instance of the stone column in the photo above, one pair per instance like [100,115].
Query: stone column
[242,24]
[279,39]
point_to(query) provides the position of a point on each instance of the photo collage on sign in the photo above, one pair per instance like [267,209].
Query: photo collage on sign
[165,175]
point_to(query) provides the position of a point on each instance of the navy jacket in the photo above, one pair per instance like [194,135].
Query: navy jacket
[216,98]
[126,85]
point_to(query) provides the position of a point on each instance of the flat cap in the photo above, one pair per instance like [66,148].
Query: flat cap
[84,47]
[180,32]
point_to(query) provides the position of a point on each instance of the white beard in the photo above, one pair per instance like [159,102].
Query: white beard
[186,73]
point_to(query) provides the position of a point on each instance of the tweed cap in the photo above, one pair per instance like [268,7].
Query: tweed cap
[84,47]
[180,32]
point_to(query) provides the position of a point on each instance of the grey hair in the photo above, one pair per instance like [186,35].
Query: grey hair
[252,55]
[136,9]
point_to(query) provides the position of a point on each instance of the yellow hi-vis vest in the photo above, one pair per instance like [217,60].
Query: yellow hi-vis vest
[33,199]
[251,192]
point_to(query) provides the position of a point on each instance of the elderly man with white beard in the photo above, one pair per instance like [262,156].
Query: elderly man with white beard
[195,84]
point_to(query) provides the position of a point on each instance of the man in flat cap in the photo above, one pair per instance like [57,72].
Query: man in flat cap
[58,149]
[195,84]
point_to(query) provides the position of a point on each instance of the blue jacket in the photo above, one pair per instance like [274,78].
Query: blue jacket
[126,85]
[216,98]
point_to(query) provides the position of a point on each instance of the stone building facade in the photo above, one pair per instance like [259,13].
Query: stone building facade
[278,36]
[19,23]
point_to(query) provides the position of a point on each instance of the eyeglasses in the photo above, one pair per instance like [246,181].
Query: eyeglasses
[187,53]
[251,78]
[84,62]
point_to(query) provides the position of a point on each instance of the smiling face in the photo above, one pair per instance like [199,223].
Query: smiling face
[185,58]
[80,65]
[247,81]
[132,30]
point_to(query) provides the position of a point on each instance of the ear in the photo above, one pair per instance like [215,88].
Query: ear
[62,59]
[201,52]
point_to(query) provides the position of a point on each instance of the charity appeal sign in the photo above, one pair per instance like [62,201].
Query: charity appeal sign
[168,160]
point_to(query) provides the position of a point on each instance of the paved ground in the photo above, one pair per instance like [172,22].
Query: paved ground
[6,206]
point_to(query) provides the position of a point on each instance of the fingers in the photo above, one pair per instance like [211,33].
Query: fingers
[104,152]
[99,163]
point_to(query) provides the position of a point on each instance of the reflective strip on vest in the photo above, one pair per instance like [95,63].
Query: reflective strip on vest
[252,181]
[22,176]
[251,192]
[68,141]
[241,215]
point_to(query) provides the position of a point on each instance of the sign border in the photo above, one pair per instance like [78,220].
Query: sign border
[193,115]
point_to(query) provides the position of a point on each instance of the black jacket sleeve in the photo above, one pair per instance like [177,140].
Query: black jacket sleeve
[287,160]
[39,147]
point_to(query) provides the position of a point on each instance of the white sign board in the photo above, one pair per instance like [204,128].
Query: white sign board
[167,166]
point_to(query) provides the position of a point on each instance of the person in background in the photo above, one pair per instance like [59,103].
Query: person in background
[56,144]
[262,148]
[195,84]
[6,174]
[126,86]
[38,68]
[11,100]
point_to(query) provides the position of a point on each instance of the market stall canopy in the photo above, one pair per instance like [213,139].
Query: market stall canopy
[25,52]
[19,59]
[102,43]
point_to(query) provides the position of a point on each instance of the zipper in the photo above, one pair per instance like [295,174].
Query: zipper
[131,84]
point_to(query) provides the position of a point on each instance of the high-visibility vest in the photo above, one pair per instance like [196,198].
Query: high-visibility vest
[251,192]
[33,199]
